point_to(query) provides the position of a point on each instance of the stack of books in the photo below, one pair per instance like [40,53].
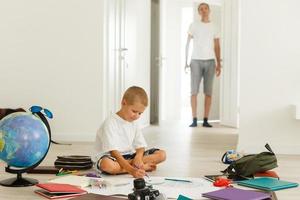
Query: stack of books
[56,190]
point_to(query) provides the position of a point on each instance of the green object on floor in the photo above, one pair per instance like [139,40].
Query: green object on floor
[181,197]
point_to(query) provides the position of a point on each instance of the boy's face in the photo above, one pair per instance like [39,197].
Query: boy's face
[132,112]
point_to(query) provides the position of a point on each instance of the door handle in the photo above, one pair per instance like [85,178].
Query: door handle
[121,49]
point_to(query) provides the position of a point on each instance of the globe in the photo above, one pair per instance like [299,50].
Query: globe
[24,141]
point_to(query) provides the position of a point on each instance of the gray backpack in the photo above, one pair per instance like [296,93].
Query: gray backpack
[248,165]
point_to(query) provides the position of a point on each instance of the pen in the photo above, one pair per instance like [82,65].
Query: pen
[179,180]
[145,172]
[62,172]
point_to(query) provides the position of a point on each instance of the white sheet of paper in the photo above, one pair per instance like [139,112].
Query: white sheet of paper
[172,189]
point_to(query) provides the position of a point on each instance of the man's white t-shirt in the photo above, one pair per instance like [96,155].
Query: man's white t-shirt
[203,40]
[119,134]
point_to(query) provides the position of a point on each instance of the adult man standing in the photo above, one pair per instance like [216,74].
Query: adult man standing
[205,60]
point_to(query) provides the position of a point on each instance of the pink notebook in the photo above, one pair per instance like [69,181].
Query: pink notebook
[56,190]
[236,194]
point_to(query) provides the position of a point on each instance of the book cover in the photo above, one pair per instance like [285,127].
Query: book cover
[266,183]
[236,194]
[60,188]
[51,195]
[92,196]
[267,174]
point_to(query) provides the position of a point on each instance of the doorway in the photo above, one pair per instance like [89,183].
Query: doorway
[172,97]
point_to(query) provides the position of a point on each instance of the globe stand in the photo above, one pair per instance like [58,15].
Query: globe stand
[18,181]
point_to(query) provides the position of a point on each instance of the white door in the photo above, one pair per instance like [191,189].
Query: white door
[127,50]
[230,81]
[112,43]
[137,48]
[170,93]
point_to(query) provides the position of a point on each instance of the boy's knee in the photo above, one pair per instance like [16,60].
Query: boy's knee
[161,155]
[107,166]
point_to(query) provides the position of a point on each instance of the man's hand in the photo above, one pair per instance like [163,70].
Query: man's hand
[186,68]
[218,69]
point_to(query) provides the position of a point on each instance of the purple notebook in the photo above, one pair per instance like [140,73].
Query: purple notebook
[236,194]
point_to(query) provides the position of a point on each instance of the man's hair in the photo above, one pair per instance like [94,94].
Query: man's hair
[203,3]
[136,94]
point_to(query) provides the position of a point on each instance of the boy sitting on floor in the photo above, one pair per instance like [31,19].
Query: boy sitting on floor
[120,141]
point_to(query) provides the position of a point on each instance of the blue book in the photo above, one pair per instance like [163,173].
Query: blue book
[266,183]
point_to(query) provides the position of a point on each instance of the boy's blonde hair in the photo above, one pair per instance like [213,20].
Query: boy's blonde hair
[136,94]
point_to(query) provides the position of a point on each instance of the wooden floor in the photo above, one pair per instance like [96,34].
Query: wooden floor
[191,152]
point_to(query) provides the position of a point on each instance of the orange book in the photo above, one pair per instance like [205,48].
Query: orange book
[267,174]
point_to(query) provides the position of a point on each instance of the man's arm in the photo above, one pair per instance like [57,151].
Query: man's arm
[218,55]
[187,47]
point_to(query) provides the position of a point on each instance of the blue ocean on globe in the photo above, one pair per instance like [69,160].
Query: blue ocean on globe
[24,139]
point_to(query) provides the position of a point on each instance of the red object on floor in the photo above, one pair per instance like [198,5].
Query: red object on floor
[222,182]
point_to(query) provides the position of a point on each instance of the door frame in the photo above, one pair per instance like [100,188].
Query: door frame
[230,84]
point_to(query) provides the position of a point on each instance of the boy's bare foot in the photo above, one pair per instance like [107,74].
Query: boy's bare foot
[149,167]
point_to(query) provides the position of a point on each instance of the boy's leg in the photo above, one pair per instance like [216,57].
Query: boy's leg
[110,166]
[152,159]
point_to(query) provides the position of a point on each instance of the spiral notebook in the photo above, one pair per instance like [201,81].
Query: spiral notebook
[236,194]
[269,184]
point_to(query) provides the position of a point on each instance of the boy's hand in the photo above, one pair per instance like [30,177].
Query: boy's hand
[138,173]
[138,163]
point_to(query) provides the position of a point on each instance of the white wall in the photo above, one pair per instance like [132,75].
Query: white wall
[50,55]
[269,75]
